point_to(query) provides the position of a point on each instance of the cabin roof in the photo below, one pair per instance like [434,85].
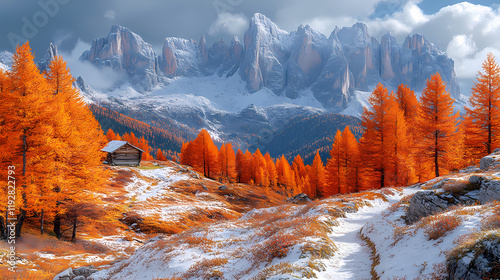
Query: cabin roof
[115,145]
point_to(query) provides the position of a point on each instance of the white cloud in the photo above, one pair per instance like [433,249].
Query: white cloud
[232,24]
[110,14]
[461,46]
[101,79]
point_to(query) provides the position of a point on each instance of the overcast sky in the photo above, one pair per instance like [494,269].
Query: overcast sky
[466,30]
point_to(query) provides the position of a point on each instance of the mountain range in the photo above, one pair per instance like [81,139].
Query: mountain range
[246,91]
[286,63]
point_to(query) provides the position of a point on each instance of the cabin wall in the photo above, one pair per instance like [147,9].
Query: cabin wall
[126,155]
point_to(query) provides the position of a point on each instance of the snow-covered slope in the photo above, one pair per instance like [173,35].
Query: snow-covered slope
[5,60]
[353,236]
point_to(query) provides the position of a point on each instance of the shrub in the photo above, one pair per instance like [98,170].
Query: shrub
[441,225]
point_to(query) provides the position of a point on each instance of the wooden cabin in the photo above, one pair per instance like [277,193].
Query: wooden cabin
[122,153]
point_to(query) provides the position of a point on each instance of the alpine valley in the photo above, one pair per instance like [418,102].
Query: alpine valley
[251,91]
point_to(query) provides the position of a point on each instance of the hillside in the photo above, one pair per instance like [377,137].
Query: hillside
[305,135]
[163,136]
[203,229]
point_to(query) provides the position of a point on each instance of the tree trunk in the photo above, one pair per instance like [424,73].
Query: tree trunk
[20,222]
[41,223]
[436,156]
[6,229]
[2,230]
[22,215]
[57,226]
[73,236]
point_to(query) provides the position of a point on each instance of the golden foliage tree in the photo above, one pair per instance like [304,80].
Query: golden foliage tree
[437,124]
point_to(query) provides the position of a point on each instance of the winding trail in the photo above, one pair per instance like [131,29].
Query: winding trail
[352,258]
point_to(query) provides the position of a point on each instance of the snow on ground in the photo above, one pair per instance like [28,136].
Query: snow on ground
[141,190]
[407,251]
[244,248]
[355,108]
[217,93]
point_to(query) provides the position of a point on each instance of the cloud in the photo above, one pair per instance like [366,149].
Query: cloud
[110,14]
[102,79]
[461,46]
[227,23]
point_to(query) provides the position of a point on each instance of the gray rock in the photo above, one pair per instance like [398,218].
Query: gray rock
[489,191]
[476,180]
[487,162]
[480,263]
[65,275]
[81,277]
[470,169]
[126,51]
[300,198]
[267,49]
[85,271]
[43,64]
[439,184]
[222,187]
[423,204]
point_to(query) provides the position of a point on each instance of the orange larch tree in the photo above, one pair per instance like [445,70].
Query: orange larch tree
[227,161]
[334,168]
[29,119]
[351,175]
[160,156]
[206,155]
[373,144]
[81,136]
[482,120]
[398,156]
[316,177]
[299,170]
[437,124]
[271,170]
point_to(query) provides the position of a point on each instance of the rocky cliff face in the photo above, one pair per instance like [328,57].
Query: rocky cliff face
[287,63]
[44,63]
[126,51]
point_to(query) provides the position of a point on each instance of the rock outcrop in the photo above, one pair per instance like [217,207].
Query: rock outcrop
[299,199]
[126,51]
[267,49]
[477,261]
[423,204]
[489,191]
[44,63]
[82,273]
[490,161]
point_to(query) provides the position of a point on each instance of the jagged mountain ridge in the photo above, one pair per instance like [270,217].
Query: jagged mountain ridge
[286,63]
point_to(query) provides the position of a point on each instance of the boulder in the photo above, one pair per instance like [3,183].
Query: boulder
[475,180]
[222,187]
[486,162]
[300,198]
[423,204]
[490,190]
[65,275]
[81,277]
[85,271]
[491,160]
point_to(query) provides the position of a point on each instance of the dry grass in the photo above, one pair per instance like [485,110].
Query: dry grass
[205,269]
[439,225]
[375,257]
[285,268]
